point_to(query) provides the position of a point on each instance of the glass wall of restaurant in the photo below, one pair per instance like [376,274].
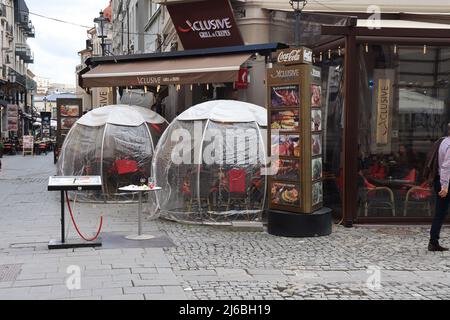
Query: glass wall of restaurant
[403,108]
[333,124]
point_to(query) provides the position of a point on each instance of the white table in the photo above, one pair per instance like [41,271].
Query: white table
[140,191]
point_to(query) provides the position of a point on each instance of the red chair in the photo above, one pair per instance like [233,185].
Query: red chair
[237,187]
[43,148]
[419,195]
[412,176]
[126,166]
[126,172]
[371,197]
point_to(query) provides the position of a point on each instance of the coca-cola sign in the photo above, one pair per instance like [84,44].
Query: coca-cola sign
[294,56]
[205,24]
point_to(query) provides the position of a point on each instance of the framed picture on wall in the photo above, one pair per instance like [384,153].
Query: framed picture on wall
[317,169]
[285,194]
[286,145]
[286,120]
[317,193]
[67,123]
[316,96]
[285,96]
[286,170]
[316,120]
[316,144]
[70,111]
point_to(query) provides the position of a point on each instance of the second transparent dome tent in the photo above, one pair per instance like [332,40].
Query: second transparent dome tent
[115,142]
[210,163]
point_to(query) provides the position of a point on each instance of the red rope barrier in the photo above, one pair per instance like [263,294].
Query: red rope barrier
[75,224]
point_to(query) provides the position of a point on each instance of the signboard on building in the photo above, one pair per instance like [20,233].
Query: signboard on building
[28,145]
[68,112]
[13,117]
[46,128]
[294,56]
[296,136]
[384,100]
[102,97]
[205,24]
[243,79]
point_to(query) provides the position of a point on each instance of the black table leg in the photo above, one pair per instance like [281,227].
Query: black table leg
[63,237]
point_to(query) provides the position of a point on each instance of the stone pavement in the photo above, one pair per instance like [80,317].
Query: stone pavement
[205,262]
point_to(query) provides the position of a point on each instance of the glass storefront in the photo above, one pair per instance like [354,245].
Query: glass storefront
[333,124]
[404,101]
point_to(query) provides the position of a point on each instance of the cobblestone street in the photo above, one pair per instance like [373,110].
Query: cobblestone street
[203,262]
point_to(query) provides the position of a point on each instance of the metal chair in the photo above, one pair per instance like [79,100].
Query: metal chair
[205,190]
[371,190]
[416,195]
[126,171]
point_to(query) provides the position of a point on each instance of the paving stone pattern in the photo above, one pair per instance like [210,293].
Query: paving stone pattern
[206,262]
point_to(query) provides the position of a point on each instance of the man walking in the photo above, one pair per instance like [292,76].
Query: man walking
[441,183]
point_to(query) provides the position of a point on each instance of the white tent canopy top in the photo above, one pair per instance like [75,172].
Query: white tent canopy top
[226,111]
[122,115]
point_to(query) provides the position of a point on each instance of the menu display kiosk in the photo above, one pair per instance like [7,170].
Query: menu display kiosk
[295,134]
[64,184]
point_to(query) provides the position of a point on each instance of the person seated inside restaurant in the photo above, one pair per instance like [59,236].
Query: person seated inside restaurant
[402,163]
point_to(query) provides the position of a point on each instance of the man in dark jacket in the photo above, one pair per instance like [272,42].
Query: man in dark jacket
[441,183]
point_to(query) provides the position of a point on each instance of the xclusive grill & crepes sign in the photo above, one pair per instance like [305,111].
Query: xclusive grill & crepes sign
[205,24]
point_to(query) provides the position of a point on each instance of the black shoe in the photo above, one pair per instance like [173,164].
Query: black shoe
[436,247]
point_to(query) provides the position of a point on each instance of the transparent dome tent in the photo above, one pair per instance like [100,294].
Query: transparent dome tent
[209,163]
[115,142]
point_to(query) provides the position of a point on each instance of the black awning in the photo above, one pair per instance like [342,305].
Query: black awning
[263,49]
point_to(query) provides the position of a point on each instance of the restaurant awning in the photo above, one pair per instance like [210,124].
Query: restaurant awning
[187,70]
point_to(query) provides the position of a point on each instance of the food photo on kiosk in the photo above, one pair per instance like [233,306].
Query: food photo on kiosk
[225,150]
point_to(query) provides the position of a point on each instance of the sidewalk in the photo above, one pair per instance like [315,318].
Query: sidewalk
[205,262]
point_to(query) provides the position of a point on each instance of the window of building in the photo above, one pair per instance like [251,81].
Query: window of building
[404,107]
[332,122]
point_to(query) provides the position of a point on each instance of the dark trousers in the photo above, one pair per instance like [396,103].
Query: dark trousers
[440,213]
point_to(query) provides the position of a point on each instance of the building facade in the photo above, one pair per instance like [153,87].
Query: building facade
[16,84]
[137,26]
[385,91]
[95,47]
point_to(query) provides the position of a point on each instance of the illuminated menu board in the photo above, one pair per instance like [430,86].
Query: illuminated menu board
[294,98]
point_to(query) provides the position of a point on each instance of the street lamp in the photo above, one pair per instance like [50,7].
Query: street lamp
[298,6]
[12,76]
[102,24]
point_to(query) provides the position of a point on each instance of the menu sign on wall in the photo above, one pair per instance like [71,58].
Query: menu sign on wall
[295,132]
[205,24]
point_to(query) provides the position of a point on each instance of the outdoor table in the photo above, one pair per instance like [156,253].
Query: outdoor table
[392,183]
[140,191]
